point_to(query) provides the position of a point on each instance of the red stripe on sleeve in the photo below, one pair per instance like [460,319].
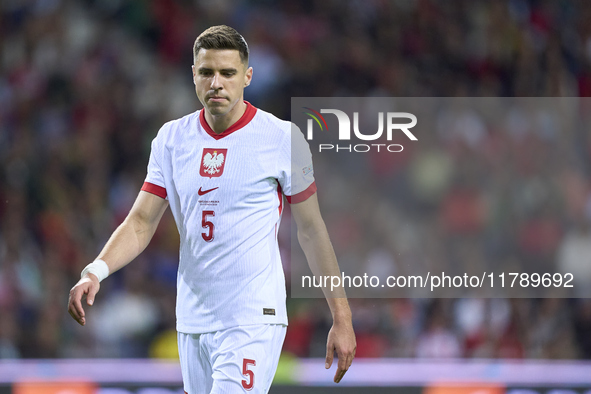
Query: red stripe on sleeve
[280,196]
[302,196]
[154,189]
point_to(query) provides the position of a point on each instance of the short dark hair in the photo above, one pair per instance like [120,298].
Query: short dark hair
[222,37]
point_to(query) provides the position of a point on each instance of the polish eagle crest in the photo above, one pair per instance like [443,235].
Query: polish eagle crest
[212,162]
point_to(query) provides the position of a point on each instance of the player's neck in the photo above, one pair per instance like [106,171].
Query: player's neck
[221,123]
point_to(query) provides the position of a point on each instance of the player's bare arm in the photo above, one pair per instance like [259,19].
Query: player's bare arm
[315,242]
[126,243]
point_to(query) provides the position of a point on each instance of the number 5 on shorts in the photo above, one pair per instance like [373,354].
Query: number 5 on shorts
[247,372]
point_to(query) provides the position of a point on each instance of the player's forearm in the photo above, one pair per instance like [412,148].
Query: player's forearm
[339,308]
[126,243]
[319,252]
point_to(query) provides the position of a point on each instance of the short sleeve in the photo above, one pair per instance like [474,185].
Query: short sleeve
[154,182]
[296,169]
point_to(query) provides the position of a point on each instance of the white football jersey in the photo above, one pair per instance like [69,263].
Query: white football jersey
[225,192]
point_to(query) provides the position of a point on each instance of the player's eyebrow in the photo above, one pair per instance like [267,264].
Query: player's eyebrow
[224,70]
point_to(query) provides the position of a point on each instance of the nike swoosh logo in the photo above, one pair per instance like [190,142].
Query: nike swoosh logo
[202,192]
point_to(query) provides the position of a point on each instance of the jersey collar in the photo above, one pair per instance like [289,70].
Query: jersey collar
[251,110]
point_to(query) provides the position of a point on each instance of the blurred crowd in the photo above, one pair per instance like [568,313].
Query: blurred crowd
[86,84]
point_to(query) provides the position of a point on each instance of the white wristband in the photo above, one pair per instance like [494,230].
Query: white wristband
[98,267]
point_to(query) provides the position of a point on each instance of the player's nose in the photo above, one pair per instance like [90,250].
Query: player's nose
[216,82]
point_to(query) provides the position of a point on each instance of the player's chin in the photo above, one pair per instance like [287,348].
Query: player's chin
[217,108]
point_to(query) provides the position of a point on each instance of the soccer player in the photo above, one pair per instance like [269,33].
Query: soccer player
[223,171]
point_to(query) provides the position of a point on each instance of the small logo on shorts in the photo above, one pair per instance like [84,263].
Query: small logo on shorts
[269,311]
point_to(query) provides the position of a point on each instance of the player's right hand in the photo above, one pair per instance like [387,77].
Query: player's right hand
[87,286]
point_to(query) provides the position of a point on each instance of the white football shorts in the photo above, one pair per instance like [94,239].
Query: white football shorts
[235,360]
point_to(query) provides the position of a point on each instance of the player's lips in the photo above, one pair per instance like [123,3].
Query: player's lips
[217,99]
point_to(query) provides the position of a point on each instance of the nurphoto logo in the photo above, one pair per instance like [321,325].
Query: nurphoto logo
[392,121]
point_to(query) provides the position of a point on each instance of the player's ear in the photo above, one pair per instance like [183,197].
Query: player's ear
[248,77]
[193,69]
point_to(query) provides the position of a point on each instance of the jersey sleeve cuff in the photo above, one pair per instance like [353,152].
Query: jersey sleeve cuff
[302,196]
[154,189]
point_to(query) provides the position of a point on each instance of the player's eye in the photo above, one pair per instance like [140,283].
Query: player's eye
[228,74]
[205,73]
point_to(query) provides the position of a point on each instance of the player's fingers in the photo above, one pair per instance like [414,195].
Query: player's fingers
[75,306]
[348,363]
[329,355]
[75,316]
[345,361]
[339,374]
[350,359]
[341,368]
[91,294]
[342,362]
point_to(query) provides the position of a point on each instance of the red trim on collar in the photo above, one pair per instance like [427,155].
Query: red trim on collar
[243,121]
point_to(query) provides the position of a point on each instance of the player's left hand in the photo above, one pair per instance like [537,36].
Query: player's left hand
[341,338]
